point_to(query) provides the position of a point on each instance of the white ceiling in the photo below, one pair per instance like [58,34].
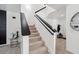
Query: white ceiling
[10,7]
[36,7]
[56,6]
[59,13]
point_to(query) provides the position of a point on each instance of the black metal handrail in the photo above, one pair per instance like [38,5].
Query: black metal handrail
[40,9]
[45,24]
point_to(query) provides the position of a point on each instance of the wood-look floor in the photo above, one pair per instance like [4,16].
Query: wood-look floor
[9,50]
[61,46]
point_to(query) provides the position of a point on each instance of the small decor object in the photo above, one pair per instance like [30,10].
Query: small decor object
[58,28]
[60,35]
[74,22]
[14,40]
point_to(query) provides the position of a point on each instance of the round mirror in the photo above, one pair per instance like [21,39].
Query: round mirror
[74,22]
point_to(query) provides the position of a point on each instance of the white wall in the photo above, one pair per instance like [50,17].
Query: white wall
[54,23]
[25,45]
[55,17]
[72,42]
[25,39]
[10,7]
[46,36]
[13,25]
[27,10]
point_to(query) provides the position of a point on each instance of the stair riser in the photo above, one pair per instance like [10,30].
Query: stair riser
[32,28]
[34,35]
[44,51]
[31,25]
[33,31]
[35,46]
[34,39]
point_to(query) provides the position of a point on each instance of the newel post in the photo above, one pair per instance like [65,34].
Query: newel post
[54,43]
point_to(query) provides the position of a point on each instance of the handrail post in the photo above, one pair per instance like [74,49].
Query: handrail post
[54,43]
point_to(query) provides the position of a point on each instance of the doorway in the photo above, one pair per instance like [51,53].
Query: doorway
[2,27]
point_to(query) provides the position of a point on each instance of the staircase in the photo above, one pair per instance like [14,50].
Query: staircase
[36,45]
